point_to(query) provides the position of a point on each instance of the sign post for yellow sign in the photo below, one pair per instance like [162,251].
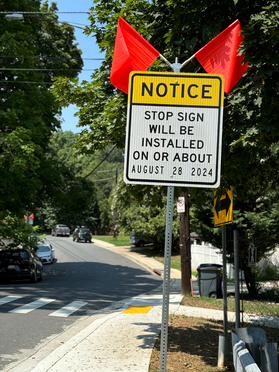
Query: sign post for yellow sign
[223,208]
[174,129]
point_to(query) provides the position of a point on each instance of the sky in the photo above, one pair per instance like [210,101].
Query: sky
[86,43]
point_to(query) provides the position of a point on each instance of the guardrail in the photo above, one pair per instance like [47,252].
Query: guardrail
[251,352]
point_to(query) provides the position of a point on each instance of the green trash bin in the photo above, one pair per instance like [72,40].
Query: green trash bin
[210,282]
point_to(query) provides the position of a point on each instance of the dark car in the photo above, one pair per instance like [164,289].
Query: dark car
[82,233]
[20,263]
[61,230]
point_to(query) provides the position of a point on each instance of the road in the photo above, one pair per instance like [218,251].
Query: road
[84,281]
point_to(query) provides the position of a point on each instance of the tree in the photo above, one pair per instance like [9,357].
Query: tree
[83,183]
[15,232]
[179,29]
[72,198]
[143,210]
[32,52]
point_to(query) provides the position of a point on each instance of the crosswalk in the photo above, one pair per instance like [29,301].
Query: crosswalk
[31,306]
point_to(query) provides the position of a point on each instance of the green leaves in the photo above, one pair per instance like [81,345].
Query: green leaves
[14,232]
[191,44]
[18,150]
[32,53]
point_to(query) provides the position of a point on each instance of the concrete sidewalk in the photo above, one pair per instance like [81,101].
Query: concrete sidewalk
[133,254]
[116,340]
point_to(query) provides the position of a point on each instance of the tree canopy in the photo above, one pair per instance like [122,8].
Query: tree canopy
[82,184]
[32,53]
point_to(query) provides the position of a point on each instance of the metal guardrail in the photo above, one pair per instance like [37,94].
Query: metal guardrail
[251,352]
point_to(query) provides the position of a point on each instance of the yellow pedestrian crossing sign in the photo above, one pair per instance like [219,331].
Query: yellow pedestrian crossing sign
[223,208]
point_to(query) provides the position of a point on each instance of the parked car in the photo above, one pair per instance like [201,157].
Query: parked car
[61,230]
[138,241]
[46,253]
[20,263]
[82,233]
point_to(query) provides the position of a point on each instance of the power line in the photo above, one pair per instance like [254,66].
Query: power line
[104,179]
[97,166]
[20,16]
[45,69]
[45,57]
[25,82]
[109,170]
[51,13]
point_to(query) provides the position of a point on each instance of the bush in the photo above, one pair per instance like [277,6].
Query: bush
[269,272]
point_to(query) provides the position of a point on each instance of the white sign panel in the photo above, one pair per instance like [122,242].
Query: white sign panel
[174,129]
[181,205]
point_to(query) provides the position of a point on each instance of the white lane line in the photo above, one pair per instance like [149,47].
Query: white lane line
[31,306]
[69,309]
[7,299]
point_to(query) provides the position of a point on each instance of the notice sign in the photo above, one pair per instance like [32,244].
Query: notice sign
[174,129]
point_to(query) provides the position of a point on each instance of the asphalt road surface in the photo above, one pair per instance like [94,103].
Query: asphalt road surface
[84,280]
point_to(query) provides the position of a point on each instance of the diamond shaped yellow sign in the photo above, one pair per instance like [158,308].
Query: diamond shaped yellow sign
[223,208]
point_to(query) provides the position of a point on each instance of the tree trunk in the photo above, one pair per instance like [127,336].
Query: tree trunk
[250,281]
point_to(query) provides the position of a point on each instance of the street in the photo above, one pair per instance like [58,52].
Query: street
[83,281]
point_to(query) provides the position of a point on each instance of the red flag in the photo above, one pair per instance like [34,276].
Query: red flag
[32,216]
[220,56]
[131,53]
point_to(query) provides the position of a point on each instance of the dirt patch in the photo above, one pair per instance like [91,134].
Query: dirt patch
[192,346]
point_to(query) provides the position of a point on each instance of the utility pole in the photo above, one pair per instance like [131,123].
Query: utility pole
[185,248]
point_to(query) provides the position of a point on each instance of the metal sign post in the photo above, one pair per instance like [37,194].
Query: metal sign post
[223,215]
[166,283]
[225,295]
[167,265]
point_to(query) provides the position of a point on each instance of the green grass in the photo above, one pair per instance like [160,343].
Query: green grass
[249,306]
[159,256]
[118,240]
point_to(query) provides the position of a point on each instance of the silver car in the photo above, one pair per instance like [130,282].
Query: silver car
[138,241]
[46,253]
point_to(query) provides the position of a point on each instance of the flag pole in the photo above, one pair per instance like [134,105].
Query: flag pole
[188,60]
[164,59]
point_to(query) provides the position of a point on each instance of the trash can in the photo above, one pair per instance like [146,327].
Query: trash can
[210,282]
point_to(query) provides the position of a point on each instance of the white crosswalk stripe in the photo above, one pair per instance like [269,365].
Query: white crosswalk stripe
[8,299]
[31,306]
[69,309]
